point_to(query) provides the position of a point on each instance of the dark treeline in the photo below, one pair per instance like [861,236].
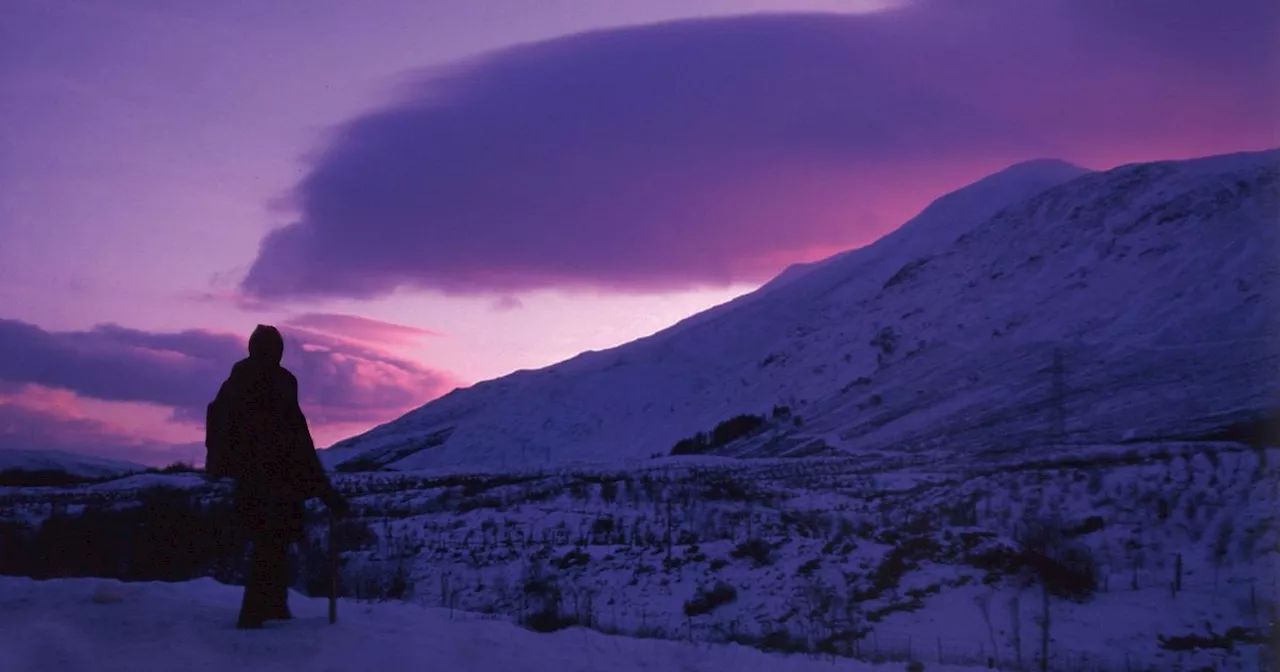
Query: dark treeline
[162,535]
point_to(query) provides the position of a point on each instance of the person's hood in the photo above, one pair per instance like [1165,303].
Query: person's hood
[266,344]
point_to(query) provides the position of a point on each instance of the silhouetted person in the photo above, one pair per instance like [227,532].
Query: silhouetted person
[259,437]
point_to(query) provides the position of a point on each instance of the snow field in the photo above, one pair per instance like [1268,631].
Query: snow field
[96,625]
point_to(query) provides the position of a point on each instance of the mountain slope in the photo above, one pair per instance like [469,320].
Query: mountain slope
[1152,281]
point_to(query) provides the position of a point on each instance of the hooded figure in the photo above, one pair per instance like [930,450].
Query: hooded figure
[270,454]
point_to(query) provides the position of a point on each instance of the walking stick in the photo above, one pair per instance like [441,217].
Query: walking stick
[333,570]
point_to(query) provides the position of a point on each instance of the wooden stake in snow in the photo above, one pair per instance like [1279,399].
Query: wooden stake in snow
[668,566]
[1044,625]
[1177,576]
[333,570]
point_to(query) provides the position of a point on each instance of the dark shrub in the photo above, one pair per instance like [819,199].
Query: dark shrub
[51,478]
[1234,635]
[707,601]
[886,340]
[720,487]
[547,619]
[758,550]
[890,571]
[695,445]
[1066,567]
[735,428]
[575,558]
[179,467]
[782,641]
[725,433]
[1089,526]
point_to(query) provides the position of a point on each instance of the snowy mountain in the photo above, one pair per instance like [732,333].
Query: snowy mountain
[59,463]
[1042,305]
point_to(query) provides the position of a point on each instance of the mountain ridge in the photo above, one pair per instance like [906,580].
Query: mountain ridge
[875,313]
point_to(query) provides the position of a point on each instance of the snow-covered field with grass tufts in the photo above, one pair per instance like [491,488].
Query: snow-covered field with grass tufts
[869,559]
[94,625]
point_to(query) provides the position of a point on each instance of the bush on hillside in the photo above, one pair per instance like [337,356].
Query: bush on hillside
[178,467]
[724,433]
[735,428]
[694,445]
[1064,566]
[706,601]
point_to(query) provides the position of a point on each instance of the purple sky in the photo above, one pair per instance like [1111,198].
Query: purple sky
[444,192]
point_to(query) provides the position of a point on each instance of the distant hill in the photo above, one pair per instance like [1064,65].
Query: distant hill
[55,467]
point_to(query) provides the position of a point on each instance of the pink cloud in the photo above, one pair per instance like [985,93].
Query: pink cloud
[340,382]
[706,152]
[362,328]
[63,427]
[345,382]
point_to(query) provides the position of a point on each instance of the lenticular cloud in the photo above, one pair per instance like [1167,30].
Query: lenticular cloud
[701,153]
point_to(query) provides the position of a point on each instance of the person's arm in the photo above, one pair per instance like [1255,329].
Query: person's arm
[218,436]
[311,471]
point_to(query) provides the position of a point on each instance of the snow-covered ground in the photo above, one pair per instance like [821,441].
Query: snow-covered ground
[96,625]
[877,557]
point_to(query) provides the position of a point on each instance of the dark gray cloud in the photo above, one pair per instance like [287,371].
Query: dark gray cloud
[340,381]
[112,363]
[702,152]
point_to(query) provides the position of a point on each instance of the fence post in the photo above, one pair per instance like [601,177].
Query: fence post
[1177,575]
[1044,639]
[668,567]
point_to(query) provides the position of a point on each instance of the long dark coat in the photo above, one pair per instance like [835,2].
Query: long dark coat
[271,454]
